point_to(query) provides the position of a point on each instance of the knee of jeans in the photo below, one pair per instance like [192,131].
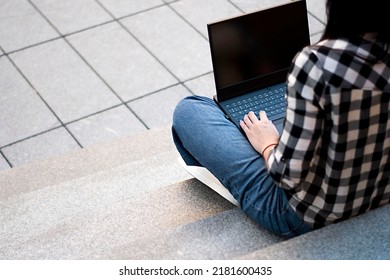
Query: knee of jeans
[184,109]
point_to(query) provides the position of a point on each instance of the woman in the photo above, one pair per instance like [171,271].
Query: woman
[331,161]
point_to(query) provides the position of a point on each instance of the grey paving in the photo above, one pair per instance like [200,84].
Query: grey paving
[22,112]
[3,163]
[90,160]
[248,6]
[108,125]
[318,9]
[66,83]
[156,110]
[121,8]
[68,17]
[366,237]
[121,61]
[203,85]
[52,143]
[121,52]
[22,26]
[200,13]
[315,26]
[185,53]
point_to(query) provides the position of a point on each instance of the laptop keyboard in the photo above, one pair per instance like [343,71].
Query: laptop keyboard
[272,100]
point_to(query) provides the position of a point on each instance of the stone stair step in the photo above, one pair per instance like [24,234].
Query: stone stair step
[366,237]
[130,199]
[88,219]
[86,161]
[226,235]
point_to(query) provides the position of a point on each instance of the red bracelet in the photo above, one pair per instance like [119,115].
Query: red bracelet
[270,145]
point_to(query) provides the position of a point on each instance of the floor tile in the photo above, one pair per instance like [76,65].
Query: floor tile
[200,13]
[318,9]
[63,79]
[106,126]
[21,25]
[248,6]
[120,8]
[70,16]
[52,143]
[315,38]
[22,112]
[3,163]
[181,48]
[122,62]
[156,110]
[204,85]
[315,25]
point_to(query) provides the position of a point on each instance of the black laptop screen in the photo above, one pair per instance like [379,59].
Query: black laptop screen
[258,47]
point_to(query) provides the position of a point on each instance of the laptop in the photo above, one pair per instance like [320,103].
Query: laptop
[251,55]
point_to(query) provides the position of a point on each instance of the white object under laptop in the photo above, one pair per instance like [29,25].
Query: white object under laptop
[251,55]
[207,178]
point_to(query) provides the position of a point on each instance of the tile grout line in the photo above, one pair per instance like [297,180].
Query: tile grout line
[316,17]
[31,136]
[169,4]
[6,159]
[236,6]
[186,21]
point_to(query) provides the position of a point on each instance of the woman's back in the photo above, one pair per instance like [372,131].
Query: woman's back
[336,143]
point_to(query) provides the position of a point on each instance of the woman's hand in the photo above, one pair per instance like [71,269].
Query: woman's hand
[261,133]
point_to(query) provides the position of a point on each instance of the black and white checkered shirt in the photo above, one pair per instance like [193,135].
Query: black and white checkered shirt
[334,153]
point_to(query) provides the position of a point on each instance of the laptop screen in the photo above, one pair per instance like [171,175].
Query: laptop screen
[257,49]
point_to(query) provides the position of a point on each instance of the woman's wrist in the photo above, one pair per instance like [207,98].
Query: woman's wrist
[267,151]
[268,147]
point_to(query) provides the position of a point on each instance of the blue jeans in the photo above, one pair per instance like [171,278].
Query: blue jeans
[204,137]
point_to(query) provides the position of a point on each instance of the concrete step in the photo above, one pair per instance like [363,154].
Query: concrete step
[120,200]
[366,237]
[226,235]
[130,199]
[88,161]
[75,220]
[186,220]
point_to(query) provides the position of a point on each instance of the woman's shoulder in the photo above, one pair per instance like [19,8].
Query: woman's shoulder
[363,47]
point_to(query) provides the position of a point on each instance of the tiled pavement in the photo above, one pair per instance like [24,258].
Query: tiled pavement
[76,73]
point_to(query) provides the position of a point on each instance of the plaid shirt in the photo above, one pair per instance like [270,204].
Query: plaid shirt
[333,155]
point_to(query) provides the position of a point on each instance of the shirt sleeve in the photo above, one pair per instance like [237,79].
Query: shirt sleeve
[290,161]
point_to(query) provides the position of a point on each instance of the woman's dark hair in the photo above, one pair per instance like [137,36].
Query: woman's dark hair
[348,18]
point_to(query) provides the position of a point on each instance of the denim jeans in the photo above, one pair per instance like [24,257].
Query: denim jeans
[204,137]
